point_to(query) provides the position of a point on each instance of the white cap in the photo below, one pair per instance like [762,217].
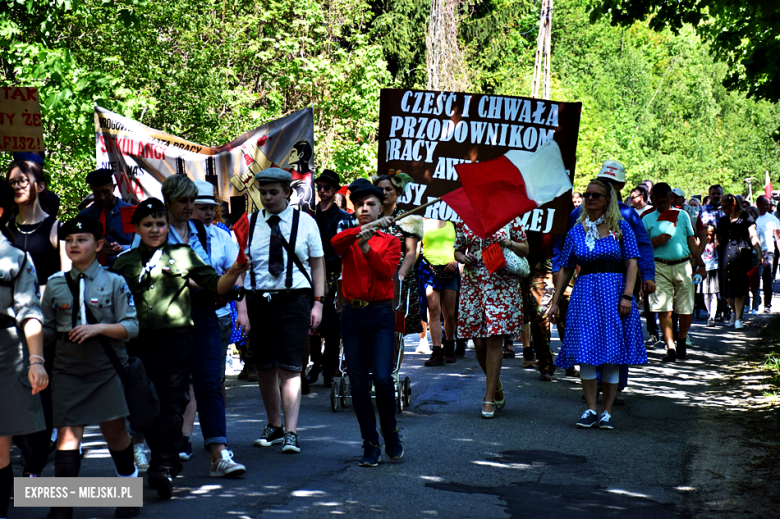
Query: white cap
[614,170]
[678,192]
[205,193]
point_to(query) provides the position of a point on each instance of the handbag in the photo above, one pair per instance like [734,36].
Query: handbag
[514,263]
[140,394]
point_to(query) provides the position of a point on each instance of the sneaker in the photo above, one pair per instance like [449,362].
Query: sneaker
[291,442]
[394,449]
[605,422]
[589,419]
[767,310]
[162,482]
[424,347]
[652,340]
[139,456]
[711,323]
[754,312]
[372,455]
[271,435]
[738,324]
[225,467]
[185,452]
[671,356]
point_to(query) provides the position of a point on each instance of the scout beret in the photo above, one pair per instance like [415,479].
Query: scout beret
[362,187]
[205,193]
[147,207]
[81,224]
[331,177]
[270,175]
[100,177]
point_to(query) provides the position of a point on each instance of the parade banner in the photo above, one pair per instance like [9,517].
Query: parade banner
[20,120]
[426,134]
[142,158]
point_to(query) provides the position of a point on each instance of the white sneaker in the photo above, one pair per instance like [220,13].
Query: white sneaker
[754,312]
[139,455]
[423,347]
[738,325]
[225,467]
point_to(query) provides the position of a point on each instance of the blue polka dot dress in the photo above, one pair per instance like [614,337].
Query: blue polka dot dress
[595,333]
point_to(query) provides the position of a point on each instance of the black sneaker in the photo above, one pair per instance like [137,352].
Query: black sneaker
[588,420]
[271,435]
[162,482]
[671,356]
[605,422]
[372,455]
[185,451]
[291,442]
[394,449]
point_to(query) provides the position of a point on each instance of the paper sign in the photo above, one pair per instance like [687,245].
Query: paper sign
[127,215]
[20,119]
[493,257]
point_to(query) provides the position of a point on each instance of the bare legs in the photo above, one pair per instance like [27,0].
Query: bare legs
[288,397]
[490,355]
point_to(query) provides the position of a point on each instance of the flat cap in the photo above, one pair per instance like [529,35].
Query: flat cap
[147,207]
[273,175]
[330,177]
[100,177]
[362,187]
[81,224]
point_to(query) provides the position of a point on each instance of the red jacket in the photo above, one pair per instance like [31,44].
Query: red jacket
[368,277]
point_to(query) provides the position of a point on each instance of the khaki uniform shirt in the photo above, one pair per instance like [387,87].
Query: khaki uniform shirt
[106,295]
[162,295]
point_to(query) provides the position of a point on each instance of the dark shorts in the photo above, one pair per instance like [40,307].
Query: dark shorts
[279,328]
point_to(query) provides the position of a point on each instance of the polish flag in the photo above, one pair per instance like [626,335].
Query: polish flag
[767,186]
[497,191]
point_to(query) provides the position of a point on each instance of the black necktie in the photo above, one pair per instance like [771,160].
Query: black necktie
[275,257]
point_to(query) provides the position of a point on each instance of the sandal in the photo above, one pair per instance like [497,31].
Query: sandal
[488,414]
[500,403]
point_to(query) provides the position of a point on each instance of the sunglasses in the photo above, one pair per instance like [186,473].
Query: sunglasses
[323,187]
[594,196]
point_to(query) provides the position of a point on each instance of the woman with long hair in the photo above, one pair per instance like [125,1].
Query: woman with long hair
[602,324]
[35,231]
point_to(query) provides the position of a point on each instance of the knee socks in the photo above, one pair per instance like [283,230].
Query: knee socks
[124,461]
[6,489]
[67,464]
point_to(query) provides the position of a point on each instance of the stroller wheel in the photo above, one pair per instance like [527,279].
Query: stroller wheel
[407,391]
[342,392]
[333,405]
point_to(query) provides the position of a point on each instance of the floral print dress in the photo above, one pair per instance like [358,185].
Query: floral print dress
[490,304]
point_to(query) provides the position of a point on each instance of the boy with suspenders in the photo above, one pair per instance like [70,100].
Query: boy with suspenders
[287,268]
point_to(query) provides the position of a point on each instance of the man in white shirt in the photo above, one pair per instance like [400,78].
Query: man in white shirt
[768,230]
[281,311]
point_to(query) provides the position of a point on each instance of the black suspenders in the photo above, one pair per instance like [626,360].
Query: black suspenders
[292,258]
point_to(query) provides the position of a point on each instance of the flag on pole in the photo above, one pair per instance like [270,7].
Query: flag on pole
[497,191]
[767,186]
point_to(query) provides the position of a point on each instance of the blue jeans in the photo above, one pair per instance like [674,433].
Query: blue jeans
[208,368]
[368,335]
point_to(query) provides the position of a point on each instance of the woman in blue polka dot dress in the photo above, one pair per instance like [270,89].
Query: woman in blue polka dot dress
[602,324]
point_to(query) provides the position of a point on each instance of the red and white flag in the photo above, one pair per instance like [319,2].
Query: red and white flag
[767,186]
[497,191]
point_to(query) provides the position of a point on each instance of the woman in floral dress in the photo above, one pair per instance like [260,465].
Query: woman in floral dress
[491,305]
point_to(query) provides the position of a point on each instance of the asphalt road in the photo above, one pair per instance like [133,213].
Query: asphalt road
[664,459]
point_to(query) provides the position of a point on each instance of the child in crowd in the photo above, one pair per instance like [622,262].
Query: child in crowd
[709,286]
[159,275]
[81,308]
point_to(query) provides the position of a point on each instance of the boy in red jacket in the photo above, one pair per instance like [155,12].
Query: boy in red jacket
[370,259]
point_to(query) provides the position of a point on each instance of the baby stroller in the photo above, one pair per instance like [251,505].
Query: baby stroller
[341,390]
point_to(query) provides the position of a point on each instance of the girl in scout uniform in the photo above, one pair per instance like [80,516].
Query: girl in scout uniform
[79,306]
[22,376]
[158,275]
